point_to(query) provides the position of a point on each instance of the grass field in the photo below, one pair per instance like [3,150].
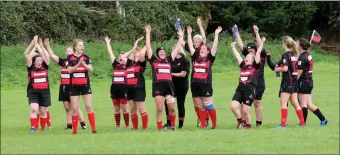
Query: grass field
[313,139]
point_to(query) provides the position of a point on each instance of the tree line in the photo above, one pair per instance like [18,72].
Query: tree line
[124,21]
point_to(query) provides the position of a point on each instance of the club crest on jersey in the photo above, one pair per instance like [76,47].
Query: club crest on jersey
[284,60]
[178,64]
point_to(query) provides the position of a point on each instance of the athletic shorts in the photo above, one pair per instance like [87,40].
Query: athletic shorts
[291,89]
[42,97]
[64,91]
[136,94]
[245,94]
[305,87]
[162,89]
[260,90]
[201,89]
[118,91]
[80,90]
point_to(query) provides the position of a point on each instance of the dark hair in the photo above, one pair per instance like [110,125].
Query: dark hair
[159,49]
[35,57]
[304,44]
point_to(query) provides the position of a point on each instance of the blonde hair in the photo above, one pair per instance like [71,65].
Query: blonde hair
[75,43]
[290,44]
[199,37]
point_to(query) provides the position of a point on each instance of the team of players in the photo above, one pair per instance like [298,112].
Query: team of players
[169,80]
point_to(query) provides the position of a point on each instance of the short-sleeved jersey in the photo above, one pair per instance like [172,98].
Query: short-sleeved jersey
[161,69]
[177,66]
[201,68]
[263,61]
[305,63]
[290,77]
[135,76]
[38,77]
[249,73]
[80,74]
[64,75]
[119,73]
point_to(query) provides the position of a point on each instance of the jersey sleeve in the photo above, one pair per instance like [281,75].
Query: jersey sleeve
[242,64]
[88,60]
[152,59]
[302,62]
[285,59]
[211,57]
[257,66]
[61,61]
[69,62]
[263,54]
[115,62]
[129,62]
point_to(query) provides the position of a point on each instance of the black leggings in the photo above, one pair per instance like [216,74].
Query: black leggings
[180,93]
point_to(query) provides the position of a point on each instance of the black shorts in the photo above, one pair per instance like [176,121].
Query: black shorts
[118,91]
[64,93]
[245,94]
[136,94]
[291,89]
[162,89]
[80,90]
[305,87]
[42,97]
[201,89]
[260,90]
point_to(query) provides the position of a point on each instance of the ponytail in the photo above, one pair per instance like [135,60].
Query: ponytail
[290,44]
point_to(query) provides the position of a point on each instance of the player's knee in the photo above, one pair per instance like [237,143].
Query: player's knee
[89,108]
[233,105]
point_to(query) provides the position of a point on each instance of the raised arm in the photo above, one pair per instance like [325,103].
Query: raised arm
[238,38]
[40,50]
[199,23]
[269,61]
[214,47]
[236,53]
[259,50]
[45,53]
[49,50]
[148,43]
[190,44]
[179,43]
[109,49]
[28,52]
[257,35]
[141,56]
[127,54]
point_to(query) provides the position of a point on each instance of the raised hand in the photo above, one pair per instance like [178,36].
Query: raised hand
[233,44]
[189,29]
[256,29]
[198,20]
[218,30]
[35,38]
[263,40]
[268,53]
[147,28]
[141,38]
[40,41]
[180,32]
[107,39]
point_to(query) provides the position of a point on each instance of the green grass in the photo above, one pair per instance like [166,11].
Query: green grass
[15,137]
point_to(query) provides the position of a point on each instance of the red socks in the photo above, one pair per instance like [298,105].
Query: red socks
[207,116]
[43,122]
[117,118]
[202,115]
[173,120]
[48,118]
[212,114]
[34,123]
[284,114]
[38,118]
[126,119]
[197,111]
[159,125]
[75,123]
[134,119]
[145,119]
[301,118]
[92,121]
